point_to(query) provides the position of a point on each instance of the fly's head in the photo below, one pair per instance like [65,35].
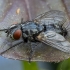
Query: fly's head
[14,32]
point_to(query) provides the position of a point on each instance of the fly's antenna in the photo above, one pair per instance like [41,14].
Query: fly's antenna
[22,20]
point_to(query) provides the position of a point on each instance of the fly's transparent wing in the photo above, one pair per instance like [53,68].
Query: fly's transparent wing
[54,17]
[57,18]
[55,40]
[51,17]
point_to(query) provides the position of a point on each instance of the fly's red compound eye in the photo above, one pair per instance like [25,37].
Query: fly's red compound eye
[17,34]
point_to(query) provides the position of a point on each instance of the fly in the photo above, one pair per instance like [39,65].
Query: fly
[45,28]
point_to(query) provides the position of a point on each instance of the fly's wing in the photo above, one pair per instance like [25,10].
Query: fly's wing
[51,17]
[51,50]
[55,40]
[57,18]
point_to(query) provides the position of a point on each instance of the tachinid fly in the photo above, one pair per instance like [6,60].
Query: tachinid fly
[47,28]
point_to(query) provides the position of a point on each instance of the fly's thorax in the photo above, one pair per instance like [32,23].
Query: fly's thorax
[31,30]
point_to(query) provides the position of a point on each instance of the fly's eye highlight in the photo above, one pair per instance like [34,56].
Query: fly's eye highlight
[17,34]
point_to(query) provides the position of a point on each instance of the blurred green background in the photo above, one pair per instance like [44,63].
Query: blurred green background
[9,64]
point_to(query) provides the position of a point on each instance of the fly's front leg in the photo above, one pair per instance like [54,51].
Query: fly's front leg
[13,44]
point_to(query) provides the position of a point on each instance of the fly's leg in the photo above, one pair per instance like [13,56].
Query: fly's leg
[32,51]
[31,48]
[12,45]
[30,55]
